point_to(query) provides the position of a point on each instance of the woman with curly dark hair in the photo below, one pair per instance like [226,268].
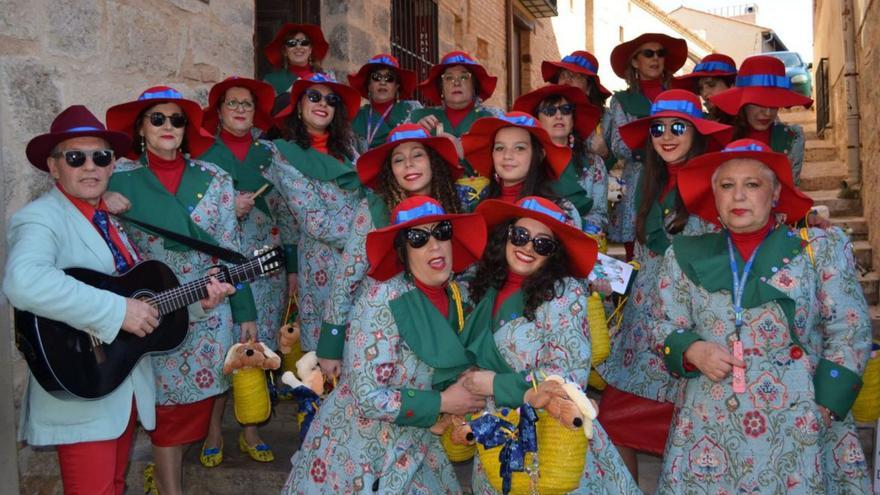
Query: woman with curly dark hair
[313,170]
[530,320]
[411,162]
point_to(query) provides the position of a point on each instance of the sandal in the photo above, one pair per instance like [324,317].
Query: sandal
[260,453]
[150,487]
[211,457]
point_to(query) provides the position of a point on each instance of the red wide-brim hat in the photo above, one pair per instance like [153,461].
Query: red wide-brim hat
[263,93]
[349,96]
[75,121]
[676,52]
[712,65]
[580,62]
[122,118]
[581,249]
[273,50]
[468,236]
[695,180]
[680,104]
[478,143]
[761,80]
[369,165]
[487,83]
[407,78]
[586,115]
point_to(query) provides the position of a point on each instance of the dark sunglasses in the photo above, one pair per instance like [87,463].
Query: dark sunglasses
[388,77]
[519,237]
[417,238]
[550,110]
[77,158]
[295,42]
[332,99]
[657,129]
[648,53]
[178,120]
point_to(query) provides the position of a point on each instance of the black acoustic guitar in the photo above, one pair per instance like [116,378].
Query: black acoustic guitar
[72,364]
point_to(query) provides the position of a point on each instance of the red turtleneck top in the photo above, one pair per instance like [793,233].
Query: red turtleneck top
[456,116]
[510,194]
[437,296]
[238,145]
[513,283]
[651,89]
[747,242]
[169,172]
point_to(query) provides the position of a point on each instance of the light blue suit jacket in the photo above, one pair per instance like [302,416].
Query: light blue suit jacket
[45,237]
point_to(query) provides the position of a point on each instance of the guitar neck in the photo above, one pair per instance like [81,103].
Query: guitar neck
[171,300]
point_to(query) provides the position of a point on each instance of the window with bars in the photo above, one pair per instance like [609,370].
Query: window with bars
[414,35]
[271,15]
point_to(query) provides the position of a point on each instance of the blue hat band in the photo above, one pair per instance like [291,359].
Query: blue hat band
[681,106]
[84,129]
[714,67]
[382,60]
[413,134]
[321,77]
[520,120]
[458,59]
[581,62]
[421,211]
[534,205]
[763,80]
[166,94]
[748,147]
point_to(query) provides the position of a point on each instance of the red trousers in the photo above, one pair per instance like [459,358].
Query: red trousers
[97,468]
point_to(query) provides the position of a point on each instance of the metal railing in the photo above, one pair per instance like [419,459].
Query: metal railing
[823,110]
[414,39]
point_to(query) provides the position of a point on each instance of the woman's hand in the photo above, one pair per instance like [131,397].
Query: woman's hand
[480,382]
[429,122]
[116,203]
[458,401]
[291,285]
[713,360]
[439,132]
[330,367]
[217,291]
[827,416]
[248,332]
[602,286]
[244,203]
[597,145]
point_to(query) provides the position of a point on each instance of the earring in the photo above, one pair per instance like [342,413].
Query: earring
[571,141]
[774,203]
[143,145]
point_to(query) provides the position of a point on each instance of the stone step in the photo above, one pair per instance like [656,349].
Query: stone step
[863,251]
[856,227]
[836,206]
[798,116]
[810,132]
[816,150]
[818,175]
[875,321]
[870,284]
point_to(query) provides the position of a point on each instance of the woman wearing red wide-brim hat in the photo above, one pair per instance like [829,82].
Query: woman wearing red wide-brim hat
[647,64]
[765,324]
[296,51]
[762,88]
[529,322]
[568,117]
[404,335]
[635,410]
[410,163]
[715,73]
[238,110]
[387,88]
[168,188]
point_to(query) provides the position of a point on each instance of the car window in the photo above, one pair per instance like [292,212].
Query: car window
[790,59]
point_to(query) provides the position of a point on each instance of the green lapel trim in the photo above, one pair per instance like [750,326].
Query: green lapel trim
[478,335]
[705,261]
[433,338]
[569,188]
[396,117]
[463,126]
[246,175]
[281,80]
[657,240]
[152,203]
[317,165]
[633,103]
[378,210]
[781,139]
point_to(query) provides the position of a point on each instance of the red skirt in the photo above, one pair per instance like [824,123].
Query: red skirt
[180,424]
[635,422]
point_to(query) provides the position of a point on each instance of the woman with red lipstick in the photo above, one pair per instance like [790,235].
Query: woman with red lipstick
[194,198]
[636,408]
[647,64]
[714,74]
[411,162]
[386,88]
[296,51]
[315,175]
[762,88]
[769,331]
[529,322]
[238,109]
[371,434]
[568,117]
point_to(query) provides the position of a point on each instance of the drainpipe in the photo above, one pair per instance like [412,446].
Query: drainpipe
[850,74]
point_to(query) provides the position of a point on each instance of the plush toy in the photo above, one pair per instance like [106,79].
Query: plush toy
[250,390]
[307,389]
[581,415]
[250,355]
[460,433]
[288,337]
[616,188]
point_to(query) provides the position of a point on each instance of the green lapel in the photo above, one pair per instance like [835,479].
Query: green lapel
[281,80]
[320,166]
[395,118]
[657,240]
[706,262]
[633,103]
[478,335]
[781,139]
[152,203]
[433,338]
[246,175]
[569,188]
[378,210]
[463,126]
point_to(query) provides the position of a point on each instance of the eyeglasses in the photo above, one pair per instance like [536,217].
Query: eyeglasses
[178,120]
[657,129]
[460,78]
[648,53]
[519,237]
[332,99]
[77,158]
[550,110]
[295,42]
[388,77]
[245,105]
[417,238]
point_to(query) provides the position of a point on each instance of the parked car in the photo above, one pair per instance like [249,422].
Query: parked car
[797,71]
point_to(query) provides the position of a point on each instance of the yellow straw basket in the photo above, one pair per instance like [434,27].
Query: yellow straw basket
[866,408]
[288,361]
[595,380]
[600,341]
[250,395]
[561,456]
[454,451]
